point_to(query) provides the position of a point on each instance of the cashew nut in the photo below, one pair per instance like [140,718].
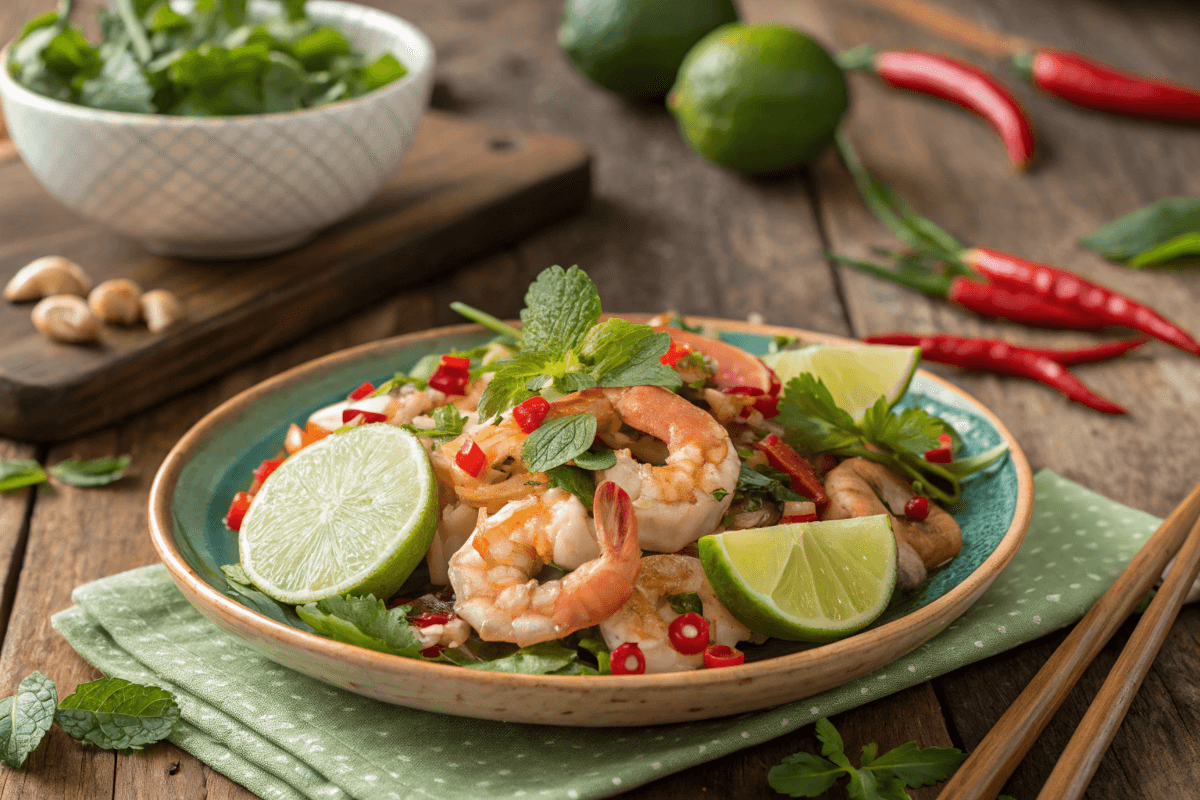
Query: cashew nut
[66,318]
[160,309]
[47,276]
[117,302]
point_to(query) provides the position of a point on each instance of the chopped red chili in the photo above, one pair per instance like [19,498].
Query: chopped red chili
[916,509]
[676,351]
[804,478]
[263,471]
[362,391]
[471,459]
[348,414]
[237,510]
[430,618]
[530,414]
[722,655]
[790,518]
[939,455]
[452,375]
[627,659]
[688,633]
[433,651]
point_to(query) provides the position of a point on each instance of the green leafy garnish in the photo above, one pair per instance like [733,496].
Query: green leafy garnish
[596,459]
[363,621]
[558,441]
[578,482]
[95,472]
[879,778]
[25,717]
[211,61]
[688,602]
[447,425]
[396,381]
[596,646]
[241,589]
[115,714]
[536,659]
[754,485]
[17,473]
[1156,234]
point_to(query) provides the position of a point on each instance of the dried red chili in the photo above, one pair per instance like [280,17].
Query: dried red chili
[1093,84]
[963,84]
[1068,289]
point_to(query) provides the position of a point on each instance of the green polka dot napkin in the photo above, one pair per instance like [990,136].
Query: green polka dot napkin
[284,735]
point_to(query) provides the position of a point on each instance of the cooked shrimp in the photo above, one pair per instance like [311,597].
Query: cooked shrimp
[859,487]
[646,616]
[493,573]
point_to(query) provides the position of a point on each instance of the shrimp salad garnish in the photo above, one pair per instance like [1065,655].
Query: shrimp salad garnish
[579,461]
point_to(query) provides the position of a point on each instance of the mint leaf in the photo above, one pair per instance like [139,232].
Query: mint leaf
[363,621]
[115,714]
[447,425]
[235,573]
[558,441]
[25,717]
[578,482]
[596,460]
[509,385]
[95,472]
[240,588]
[17,473]
[920,766]
[804,775]
[624,354]
[560,307]
[596,646]
[536,659]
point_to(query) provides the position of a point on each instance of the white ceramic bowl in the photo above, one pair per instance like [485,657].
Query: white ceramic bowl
[227,187]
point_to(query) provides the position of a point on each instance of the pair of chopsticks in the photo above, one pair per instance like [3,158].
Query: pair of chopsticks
[984,772]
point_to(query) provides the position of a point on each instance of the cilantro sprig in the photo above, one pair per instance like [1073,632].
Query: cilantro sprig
[814,423]
[211,61]
[880,777]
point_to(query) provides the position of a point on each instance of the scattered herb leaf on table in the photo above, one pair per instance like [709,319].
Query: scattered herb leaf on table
[1163,231]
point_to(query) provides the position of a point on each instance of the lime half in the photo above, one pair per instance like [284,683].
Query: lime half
[808,581]
[354,512]
[857,375]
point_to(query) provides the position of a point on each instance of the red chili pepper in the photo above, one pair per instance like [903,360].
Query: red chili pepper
[362,391]
[452,375]
[460,363]
[430,618]
[798,518]
[676,351]
[237,510]
[471,459]
[939,455]
[963,84]
[946,440]
[433,651]
[804,477]
[994,355]
[722,655]
[1068,289]
[627,659]
[530,414]
[767,403]
[1102,87]
[688,633]
[1068,358]
[263,471]
[916,509]
[348,414]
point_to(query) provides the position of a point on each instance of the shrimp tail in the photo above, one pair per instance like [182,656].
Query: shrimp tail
[597,589]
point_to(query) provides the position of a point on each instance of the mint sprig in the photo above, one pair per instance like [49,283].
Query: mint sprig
[558,441]
[878,778]
[115,714]
[25,717]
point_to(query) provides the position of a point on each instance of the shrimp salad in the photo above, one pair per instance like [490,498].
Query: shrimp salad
[579,461]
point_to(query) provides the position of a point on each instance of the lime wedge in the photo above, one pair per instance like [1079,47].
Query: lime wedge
[354,512]
[807,581]
[857,375]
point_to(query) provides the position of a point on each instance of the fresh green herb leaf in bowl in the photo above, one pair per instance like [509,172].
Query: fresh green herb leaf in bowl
[215,60]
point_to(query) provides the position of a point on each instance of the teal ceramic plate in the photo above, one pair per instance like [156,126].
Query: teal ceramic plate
[193,488]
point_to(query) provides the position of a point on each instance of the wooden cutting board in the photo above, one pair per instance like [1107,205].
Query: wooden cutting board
[464,190]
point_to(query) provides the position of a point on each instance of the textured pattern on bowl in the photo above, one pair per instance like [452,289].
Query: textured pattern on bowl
[195,483]
[230,186]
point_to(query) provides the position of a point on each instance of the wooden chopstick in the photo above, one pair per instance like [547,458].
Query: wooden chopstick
[1096,730]
[984,772]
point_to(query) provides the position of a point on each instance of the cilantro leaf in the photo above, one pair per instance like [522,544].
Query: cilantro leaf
[912,431]
[804,775]
[578,482]
[596,460]
[363,621]
[115,714]
[25,717]
[95,472]
[561,306]
[558,441]
[17,473]
[920,766]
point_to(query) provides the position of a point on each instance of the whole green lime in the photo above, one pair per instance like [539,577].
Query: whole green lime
[758,98]
[635,47]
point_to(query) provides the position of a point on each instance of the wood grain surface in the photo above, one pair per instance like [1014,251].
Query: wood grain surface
[668,230]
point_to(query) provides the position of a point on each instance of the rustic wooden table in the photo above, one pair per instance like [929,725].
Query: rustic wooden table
[668,230]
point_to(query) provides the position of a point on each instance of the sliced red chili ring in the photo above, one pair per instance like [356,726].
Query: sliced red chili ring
[688,633]
[627,659]
[368,417]
[916,509]
[430,618]
[362,391]
[530,414]
[722,655]
[471,459]
[237,510]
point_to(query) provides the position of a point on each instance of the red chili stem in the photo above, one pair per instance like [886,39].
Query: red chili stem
[1102,87]
[1068,289]
[1068,358]
[967,86]
[1000,357]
